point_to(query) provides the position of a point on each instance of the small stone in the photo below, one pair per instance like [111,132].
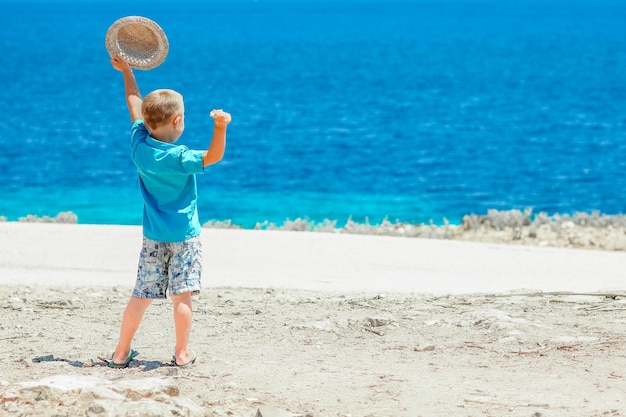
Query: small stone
[269,411]
[424,348]
[379,321]
[324,326]
[44,358]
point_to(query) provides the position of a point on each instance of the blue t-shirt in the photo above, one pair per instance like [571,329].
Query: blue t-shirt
[167,179]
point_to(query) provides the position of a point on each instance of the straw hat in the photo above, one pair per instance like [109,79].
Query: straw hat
[138,40]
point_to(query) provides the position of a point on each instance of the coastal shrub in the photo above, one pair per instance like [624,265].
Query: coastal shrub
[541,219]
[66,217]
[595,219]
[501,220]
[31,218]
[358,228]
[579,230]
[297,225]
[498,220]
[219,224]
[591,230]
[327,226]
[63,217]
[261,225]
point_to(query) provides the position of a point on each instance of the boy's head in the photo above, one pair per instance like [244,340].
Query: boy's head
[163,107]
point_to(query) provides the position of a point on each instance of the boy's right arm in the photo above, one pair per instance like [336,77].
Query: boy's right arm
[215,153]
[133,96]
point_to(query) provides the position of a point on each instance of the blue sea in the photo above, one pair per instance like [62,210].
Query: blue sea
[365,110]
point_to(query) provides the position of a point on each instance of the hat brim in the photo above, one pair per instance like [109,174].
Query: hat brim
[137,40]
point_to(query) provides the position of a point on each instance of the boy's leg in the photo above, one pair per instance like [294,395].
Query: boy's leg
[130,323]
[182,322]
[185,270]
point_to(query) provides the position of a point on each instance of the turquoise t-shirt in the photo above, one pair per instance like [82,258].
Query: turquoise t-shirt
[167,179]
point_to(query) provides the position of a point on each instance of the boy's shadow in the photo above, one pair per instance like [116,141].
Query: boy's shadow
[147,365]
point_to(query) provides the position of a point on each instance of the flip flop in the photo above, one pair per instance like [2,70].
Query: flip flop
[131,356]
[188,364]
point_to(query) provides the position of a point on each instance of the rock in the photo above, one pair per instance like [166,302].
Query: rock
[146,408]
[379,321]
[146,388]
[61,383]
[15,303]
[93,396]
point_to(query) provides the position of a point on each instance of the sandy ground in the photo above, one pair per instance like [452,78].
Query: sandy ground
[322,325]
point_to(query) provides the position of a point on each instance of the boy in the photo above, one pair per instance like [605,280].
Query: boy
[170,258]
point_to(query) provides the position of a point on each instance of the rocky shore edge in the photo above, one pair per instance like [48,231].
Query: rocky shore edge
[579,230]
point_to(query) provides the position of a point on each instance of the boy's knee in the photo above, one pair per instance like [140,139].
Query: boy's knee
[181,298]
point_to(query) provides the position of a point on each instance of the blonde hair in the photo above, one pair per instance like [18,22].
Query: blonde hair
[160,106]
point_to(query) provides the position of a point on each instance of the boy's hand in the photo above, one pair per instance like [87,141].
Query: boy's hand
[119,64]
[220,117]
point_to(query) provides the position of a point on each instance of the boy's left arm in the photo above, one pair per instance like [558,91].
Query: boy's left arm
[133,96]
[215,153]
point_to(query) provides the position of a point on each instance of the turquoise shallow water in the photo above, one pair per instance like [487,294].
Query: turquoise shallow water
[411,110]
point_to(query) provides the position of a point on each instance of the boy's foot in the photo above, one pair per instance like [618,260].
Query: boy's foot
[192,358]
[129,358]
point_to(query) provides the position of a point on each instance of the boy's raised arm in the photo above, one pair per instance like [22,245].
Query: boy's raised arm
[133,96]
[215,153]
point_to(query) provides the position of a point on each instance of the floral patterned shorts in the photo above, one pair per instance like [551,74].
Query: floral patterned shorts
[169,266]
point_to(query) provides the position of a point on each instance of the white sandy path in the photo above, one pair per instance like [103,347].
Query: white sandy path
[65,254]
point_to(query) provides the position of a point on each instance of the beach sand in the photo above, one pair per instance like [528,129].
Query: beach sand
[315,324]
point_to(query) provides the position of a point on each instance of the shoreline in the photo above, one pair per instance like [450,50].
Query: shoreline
[579,230]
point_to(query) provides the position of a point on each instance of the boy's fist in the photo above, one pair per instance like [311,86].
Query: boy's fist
[221,117]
